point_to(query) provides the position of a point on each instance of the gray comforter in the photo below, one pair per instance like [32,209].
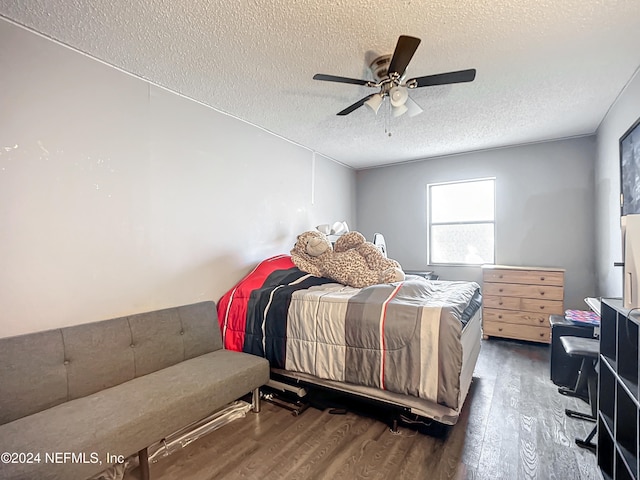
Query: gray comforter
[402,337]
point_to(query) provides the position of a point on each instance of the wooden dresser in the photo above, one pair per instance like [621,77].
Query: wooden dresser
[517,301]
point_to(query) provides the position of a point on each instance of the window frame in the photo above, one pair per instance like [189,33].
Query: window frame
[430,261]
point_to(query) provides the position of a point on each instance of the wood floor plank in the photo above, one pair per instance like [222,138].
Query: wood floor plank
[391,451]
[345,463]
[502,438]
[512,426]
[276,450]
[317,448]
[419,460]
[476,414]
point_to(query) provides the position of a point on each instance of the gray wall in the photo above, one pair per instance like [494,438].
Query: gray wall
[117,196]
[544,209]
[622,114]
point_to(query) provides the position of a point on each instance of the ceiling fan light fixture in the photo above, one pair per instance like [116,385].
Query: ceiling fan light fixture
[374,102]
[398,96]
[413,108]
[399,110]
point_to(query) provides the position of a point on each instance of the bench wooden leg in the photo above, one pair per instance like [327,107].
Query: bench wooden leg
[255,401]
[143,459]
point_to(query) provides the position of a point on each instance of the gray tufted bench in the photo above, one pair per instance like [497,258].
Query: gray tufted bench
[71,396]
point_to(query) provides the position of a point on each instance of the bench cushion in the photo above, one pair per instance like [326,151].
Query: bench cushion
[126,418]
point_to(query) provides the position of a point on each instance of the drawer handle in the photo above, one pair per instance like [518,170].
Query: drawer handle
[542,279]
[541,293]
[499,329]
[499,303]
[542,320]
[499,316]
[541,307]
[499,276]
[542,334]
[500,290]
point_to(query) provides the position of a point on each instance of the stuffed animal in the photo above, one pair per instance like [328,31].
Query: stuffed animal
[353,261]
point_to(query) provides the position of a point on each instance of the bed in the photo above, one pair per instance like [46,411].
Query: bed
[411,344]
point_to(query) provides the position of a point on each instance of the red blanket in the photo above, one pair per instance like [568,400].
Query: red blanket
[232,307]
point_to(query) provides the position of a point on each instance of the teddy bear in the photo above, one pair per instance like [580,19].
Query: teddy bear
[353,261]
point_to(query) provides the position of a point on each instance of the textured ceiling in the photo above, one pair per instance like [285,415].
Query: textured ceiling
[545,69]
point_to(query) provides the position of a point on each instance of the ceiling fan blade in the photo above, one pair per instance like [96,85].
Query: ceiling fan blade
[403,54]
[355,106]
[444,78]
[333,78]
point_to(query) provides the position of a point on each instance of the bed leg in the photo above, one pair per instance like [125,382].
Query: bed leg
[143,459]
[394,426]
[255,401]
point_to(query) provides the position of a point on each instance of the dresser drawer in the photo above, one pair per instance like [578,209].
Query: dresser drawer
[544,292]
[527,277]
[548,307]
[520,318]
[519,332]
[502,303]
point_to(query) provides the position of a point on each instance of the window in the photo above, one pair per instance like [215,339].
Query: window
[461,222]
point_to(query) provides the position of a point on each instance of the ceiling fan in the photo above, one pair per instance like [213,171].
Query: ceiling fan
[389,71]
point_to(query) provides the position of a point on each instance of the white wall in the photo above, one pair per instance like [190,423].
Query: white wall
[544,209]
[117,196]
[622,114]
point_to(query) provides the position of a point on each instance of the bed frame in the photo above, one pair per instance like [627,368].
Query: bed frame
[471,338]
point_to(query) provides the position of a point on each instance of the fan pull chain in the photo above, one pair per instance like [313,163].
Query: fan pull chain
[387,120]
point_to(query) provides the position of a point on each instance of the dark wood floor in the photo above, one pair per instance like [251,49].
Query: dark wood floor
[512,427]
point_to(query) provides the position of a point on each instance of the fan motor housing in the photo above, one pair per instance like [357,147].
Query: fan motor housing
[379,67]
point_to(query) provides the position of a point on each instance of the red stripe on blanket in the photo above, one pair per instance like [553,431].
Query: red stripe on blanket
[232,307]
[383,316]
